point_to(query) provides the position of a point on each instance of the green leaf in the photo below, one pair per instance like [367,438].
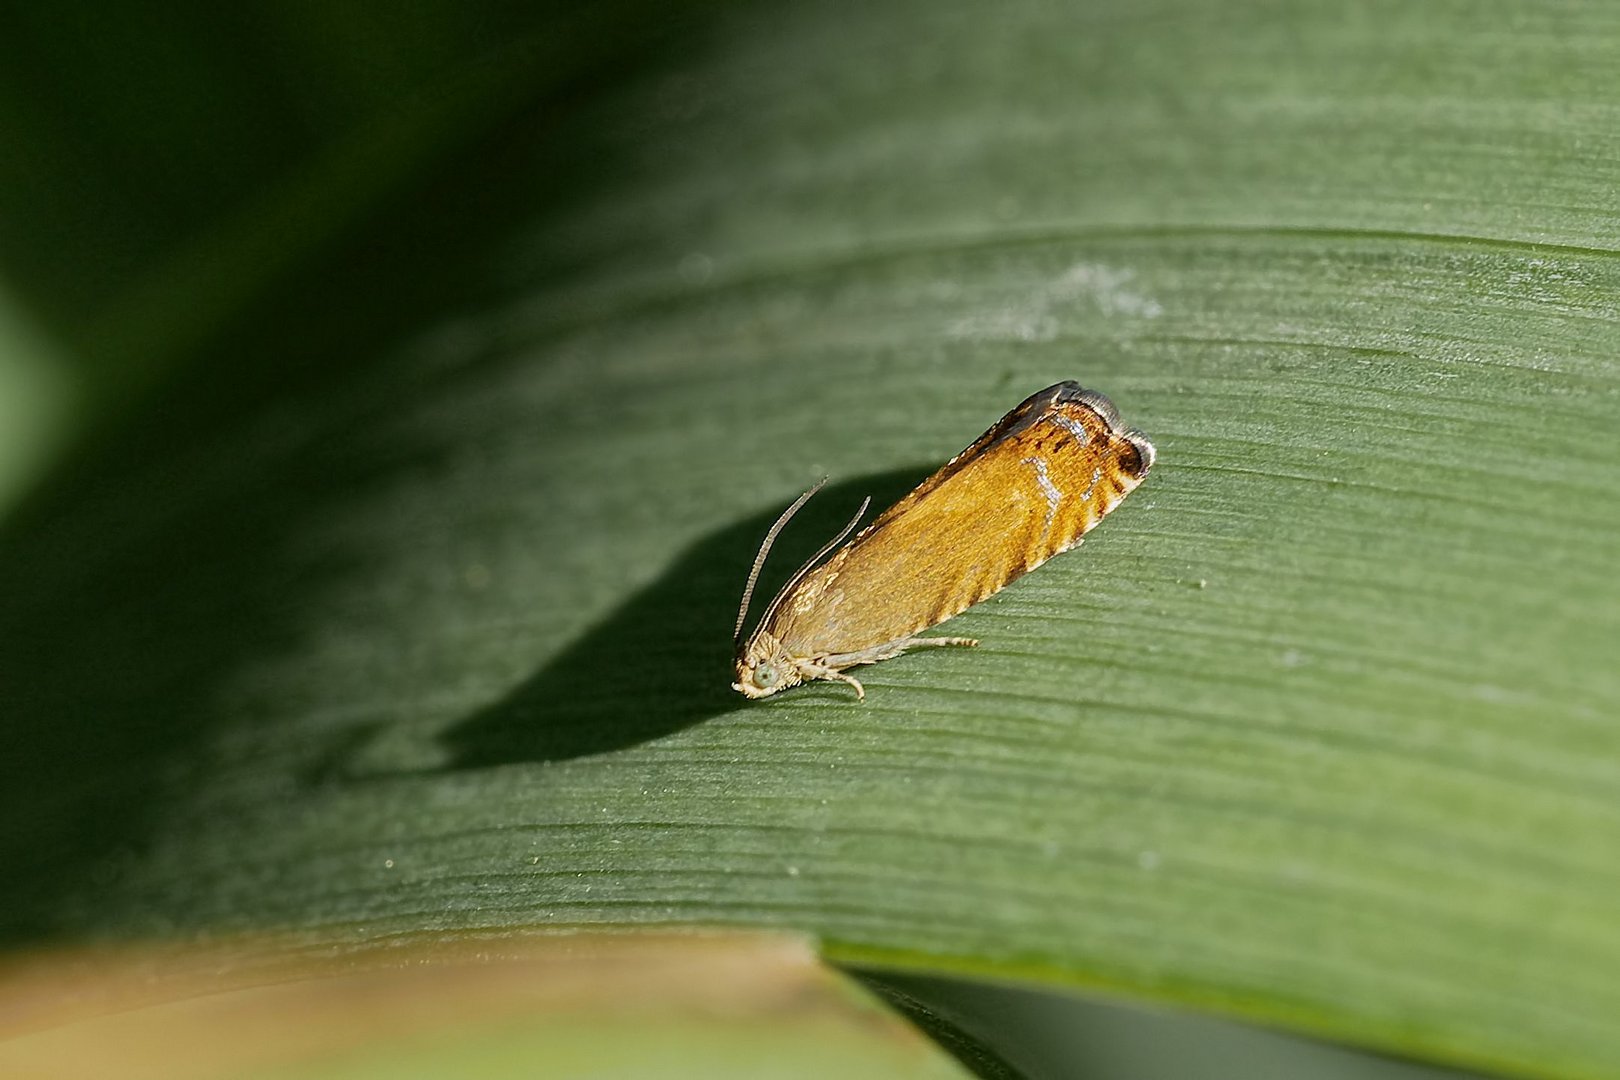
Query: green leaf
[37,403]
[412,613]
[646,1005]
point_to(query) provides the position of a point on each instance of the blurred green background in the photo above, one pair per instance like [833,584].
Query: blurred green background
[390,398]
[168,170]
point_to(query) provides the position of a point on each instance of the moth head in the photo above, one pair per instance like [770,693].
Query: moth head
[764,667]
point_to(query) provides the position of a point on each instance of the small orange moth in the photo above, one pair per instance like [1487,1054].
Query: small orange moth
[1027,489]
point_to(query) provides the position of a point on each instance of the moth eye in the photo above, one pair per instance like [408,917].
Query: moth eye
[764,676]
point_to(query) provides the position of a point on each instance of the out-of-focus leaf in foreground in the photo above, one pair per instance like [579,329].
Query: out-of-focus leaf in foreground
[1318,728]
[591,1005]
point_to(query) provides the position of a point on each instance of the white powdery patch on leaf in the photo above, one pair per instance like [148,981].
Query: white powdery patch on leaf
[1039,316]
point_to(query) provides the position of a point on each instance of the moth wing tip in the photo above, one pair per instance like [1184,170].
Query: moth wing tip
[1103,406]
[1144,450]
[1095,400]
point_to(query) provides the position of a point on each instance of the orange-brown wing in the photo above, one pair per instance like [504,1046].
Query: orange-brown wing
[1028,489]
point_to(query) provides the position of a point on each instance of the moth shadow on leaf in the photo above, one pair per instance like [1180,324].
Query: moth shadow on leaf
[661,661]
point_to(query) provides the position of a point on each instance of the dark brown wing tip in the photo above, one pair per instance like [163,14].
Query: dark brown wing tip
[1099,403]
[1095,400]
[1145,453]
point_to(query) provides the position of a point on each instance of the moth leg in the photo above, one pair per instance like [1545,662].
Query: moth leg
[831,667]
[860,691]
[919,642]
[891,649]
[809,669]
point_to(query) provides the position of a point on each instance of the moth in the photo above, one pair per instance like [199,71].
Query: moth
[1027,489]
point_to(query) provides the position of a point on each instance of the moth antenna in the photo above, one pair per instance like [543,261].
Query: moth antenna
[764,550]
[810,563]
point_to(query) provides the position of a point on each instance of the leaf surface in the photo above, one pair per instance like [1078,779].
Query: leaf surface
[1317,729]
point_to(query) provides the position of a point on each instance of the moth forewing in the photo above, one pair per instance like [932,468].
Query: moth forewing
[1027,489]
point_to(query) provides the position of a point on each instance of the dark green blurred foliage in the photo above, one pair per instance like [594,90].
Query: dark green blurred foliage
[164,168]
[135,129]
